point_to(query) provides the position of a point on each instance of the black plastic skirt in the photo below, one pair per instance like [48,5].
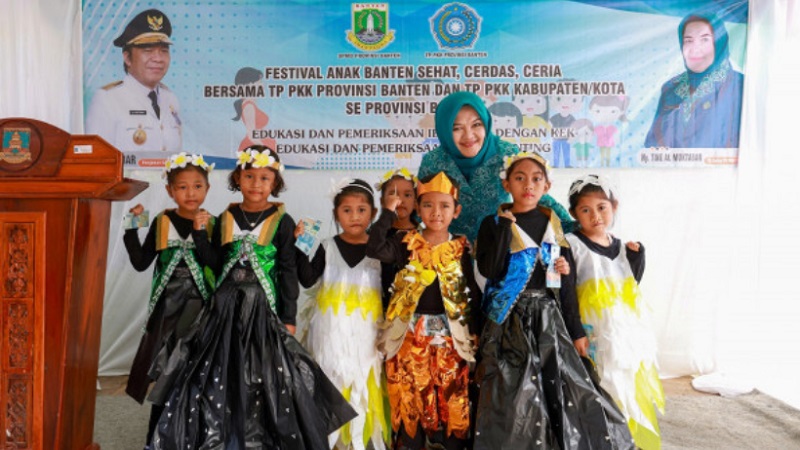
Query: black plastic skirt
[170,320]
[247,381]
[535,391]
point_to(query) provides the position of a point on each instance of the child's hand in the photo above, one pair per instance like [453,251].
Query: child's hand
[391,201]
[508,215]
[582,346]
[634,246]
[201,218]
[562,266]
[137,210]
[291,328]
[299,229]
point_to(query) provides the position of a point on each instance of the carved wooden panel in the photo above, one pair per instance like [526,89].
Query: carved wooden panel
[17,329]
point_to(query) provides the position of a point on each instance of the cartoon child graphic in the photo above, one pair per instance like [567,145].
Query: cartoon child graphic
[606,112]
[251,116]
[562,108]
[534,116]
[582,141]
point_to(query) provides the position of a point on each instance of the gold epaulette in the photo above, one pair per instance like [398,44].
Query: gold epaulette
[111,85]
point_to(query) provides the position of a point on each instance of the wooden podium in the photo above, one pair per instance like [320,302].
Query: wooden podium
[56,191]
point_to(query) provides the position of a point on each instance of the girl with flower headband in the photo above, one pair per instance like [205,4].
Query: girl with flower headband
[401,183]
[248,382]
[621,343]
[535,391]
[426,338]
[181,284]
[345,313]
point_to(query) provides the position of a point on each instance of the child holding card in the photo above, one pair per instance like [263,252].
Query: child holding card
[180,286]
[535,391]
[345,315]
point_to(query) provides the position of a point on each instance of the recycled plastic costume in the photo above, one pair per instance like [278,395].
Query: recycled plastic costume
[621,343]
[342,332]
[248,382]
[426,337]
[179,289]
[534,389]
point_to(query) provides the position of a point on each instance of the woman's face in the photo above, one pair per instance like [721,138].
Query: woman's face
[698,46]
[469,132]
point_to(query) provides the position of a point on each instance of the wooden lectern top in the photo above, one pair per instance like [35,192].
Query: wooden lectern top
[39,160]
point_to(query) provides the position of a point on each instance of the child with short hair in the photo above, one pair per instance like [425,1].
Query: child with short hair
[607,275]
[248,382]
[534,389]
[426,338]
[180,286]
[345,313]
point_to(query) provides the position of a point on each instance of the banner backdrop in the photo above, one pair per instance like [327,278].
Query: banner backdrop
[341,85]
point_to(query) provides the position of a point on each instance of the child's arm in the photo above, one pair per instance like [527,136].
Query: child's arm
[494,238]
[140,255]
[635,254]
[287,266]
[569,306]
[386,250]
[308,272]
[209,251]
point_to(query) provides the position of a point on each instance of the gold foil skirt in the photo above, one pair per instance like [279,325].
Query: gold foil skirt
[427,384]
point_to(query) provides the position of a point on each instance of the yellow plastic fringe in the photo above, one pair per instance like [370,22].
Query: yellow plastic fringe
[352,297]
[594,295]
[649,396]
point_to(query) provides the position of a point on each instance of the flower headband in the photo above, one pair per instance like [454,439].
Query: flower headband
[508,161]
[182,159]
[258,159]
[338,186]
[401,172]
[592,180]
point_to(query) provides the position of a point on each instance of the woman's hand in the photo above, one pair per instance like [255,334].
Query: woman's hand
[291,328]
[201,218]
[562,266]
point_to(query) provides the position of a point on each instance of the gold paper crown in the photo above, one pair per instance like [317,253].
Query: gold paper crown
[439,183]
[509,161]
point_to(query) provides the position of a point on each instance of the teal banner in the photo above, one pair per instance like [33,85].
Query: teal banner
[341,85]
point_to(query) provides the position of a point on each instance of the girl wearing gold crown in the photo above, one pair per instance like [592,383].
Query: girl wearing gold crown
[535,391]
[426,338]
[180,286]
[248,382]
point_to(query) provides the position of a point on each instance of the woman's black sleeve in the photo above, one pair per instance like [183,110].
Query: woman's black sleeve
[491,252]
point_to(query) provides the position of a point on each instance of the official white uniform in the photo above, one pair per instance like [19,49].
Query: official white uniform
[122,113]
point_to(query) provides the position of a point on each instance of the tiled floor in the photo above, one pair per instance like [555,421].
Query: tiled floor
[674,386]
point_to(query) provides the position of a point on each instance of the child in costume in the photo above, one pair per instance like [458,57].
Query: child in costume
[607,275]
[248,382]
[535,391]
[426,338]
[344,319]
[402,183]
[180,286]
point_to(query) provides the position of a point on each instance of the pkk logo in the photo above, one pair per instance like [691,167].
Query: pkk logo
[455,26]
[370,31]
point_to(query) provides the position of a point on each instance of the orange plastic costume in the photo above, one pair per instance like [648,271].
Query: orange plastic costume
[427,356]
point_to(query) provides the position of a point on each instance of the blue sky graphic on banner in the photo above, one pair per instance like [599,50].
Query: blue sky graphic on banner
[341,85]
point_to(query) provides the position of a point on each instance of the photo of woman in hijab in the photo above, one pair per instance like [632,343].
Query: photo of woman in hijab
[700,107]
